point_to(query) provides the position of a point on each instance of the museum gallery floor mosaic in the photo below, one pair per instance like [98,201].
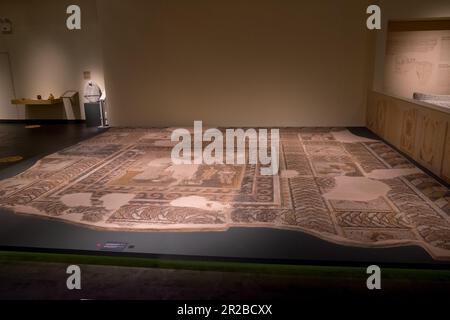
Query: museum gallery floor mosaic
[331,183]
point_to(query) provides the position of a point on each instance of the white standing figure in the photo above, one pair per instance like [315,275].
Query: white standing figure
[92,92]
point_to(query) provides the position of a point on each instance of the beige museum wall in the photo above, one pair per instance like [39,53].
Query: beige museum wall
[45,56]
[236,62]
[403,10]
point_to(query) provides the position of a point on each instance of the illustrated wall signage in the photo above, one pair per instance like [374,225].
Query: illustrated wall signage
[417,61]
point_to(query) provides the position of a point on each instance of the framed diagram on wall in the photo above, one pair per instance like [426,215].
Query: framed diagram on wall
[417,58]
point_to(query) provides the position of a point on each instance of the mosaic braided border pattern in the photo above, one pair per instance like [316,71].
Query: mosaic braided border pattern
[122,180]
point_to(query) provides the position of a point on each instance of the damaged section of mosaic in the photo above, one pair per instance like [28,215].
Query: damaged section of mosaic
[331,184]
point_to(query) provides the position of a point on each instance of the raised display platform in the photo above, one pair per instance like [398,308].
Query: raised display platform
[30,102]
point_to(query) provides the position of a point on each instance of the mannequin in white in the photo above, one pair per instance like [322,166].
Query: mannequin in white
[92,92]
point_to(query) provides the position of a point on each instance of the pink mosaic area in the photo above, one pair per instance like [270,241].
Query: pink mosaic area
[332,184]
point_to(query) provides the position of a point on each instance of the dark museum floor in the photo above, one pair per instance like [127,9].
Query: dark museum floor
[34,280]
[29,142]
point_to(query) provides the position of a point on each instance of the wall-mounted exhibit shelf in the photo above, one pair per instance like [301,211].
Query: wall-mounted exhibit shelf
[31,102]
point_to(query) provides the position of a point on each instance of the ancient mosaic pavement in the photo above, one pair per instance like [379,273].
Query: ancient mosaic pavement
[332,184]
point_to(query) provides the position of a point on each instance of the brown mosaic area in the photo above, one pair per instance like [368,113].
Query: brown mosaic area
[436,192]
[331,184]
[389,155]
